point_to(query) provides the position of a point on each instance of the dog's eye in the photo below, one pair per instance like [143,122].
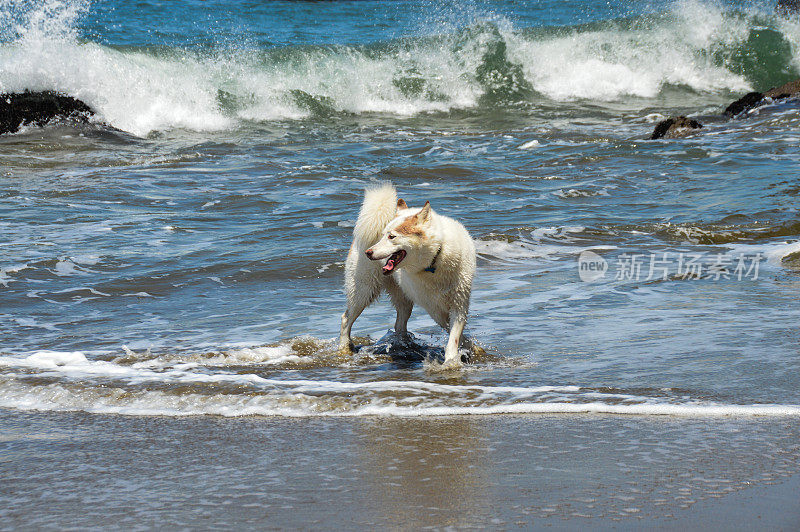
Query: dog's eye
[391,236]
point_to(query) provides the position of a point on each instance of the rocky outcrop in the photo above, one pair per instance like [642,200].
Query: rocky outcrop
[680,126]
[675,127]
[787,90]
[745,103]
[756,99]
[38,108]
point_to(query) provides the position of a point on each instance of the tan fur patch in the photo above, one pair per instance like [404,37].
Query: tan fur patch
[410,226]
[401,204]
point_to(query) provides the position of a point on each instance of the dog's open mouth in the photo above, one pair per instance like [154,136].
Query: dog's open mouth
[392,262]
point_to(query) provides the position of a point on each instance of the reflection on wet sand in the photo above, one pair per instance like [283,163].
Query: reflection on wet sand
[425,472]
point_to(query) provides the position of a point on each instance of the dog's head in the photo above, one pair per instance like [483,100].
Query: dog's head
[402,237]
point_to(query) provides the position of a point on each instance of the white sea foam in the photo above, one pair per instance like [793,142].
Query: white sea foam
[100,386]
[243,356]
[60,397]
[778,252]
[524,250]
[558,231]
[773,252]
[140,92]
[77,365]
[66,267]
[5,278]
[654,117]
[50,359]
[605,65]
[578,193]
[529,145]
[508,250]
[593,408]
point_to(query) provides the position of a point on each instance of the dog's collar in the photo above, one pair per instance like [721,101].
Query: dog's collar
[432,267]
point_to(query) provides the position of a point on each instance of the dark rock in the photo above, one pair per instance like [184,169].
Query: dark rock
[788,7]
[745,103]
[38,108]
[755,99]
[792,260]
[677,126]
[786,90]
[681,126]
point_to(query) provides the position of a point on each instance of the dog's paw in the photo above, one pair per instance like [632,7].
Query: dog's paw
[447,365]
[346,348]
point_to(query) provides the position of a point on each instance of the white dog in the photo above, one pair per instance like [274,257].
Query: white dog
[418,257]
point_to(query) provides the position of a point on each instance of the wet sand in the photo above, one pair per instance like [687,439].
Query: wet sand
[65,470]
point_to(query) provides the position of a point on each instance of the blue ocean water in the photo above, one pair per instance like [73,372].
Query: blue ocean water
[183,252]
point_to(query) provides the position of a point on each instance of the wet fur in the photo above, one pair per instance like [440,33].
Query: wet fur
[421,232]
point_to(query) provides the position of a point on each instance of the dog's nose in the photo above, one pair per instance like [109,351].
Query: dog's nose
[368,253]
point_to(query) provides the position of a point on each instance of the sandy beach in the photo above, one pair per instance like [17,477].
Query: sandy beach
[467,472]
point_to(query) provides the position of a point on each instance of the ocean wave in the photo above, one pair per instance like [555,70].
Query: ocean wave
[767,240]
[56,381]
[696,46]
[740,230]
[70,381]
[542,243]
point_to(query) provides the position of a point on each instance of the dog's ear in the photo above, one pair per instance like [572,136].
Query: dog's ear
[401,204]
[425,214]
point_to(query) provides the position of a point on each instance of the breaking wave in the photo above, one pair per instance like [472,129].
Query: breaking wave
[246,381]
[695,46]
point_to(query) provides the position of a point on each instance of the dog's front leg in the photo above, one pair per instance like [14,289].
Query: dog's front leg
[401,323]
[451,357]
[403,305]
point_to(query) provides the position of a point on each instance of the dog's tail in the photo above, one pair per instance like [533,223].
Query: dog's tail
[378,209]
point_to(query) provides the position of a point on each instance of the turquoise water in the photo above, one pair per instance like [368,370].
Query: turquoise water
[182,253]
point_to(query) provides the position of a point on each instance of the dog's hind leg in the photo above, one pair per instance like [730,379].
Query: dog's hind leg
[359,296]
[348,318]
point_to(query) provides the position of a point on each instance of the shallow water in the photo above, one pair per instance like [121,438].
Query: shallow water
[183,253]
[217,220]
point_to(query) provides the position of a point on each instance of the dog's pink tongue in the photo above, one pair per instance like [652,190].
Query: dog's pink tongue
[389,266]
